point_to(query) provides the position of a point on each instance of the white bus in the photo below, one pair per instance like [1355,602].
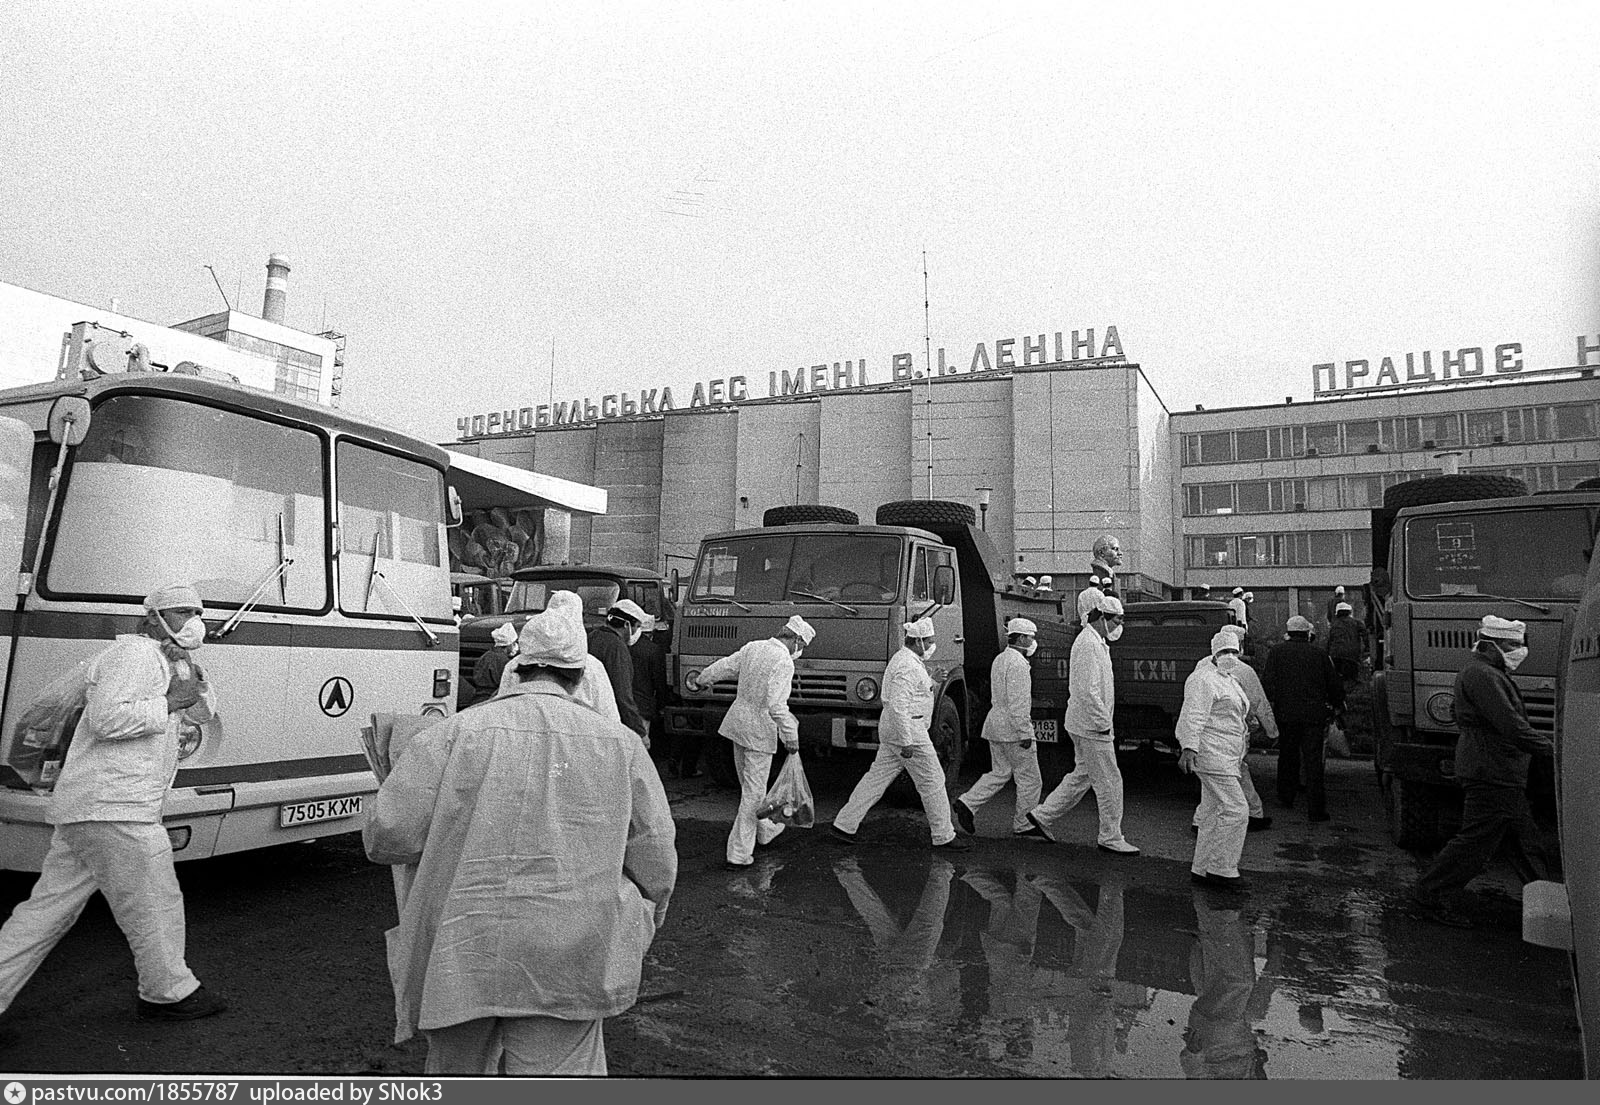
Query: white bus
[317,541]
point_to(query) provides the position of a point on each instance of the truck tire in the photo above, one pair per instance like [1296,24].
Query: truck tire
[809,512]
[1451,489]
[1412,809]
[926,512]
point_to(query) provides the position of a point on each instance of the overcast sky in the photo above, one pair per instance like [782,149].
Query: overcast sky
[676,192]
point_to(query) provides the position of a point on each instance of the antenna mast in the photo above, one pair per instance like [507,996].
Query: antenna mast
[218,283]
[552,397]
[927,366]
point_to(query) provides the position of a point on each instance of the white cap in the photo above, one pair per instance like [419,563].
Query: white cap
[922,627]
[1109,604]
[1249,596]
[505,635]
[1046,582]
[1502,629]
[800,628]
[1297,624]
[1030,581]
[1095,581]
[629,609]
[1223,641]
[1236,630]
[168,598]
[551,638]
[1339,590]
[1238,592]
[1344,608]
[1021,625]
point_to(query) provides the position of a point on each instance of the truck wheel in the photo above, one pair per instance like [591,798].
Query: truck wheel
[949,742]
[1056,761]
[1412,809]
[1587,485]
[809,512]
[1450,489]
[926,512]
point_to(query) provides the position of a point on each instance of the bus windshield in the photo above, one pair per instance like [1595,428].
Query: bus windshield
[166,491]
[393,557]
[1522,554]
[531,596]
[843,567]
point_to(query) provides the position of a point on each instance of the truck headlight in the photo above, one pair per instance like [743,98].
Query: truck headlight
[866,689]
[691,679]
[1441,707]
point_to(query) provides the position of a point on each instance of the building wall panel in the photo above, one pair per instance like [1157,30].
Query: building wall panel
[777,457]
[699,480]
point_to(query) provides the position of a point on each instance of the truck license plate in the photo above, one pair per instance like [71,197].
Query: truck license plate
[1045,732]
[328,809]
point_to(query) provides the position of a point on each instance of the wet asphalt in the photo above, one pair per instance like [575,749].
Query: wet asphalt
[1012,959]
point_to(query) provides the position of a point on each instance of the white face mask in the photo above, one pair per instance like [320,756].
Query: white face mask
[928,650]
[1113,632]
[1227,662]
[634,634]
[1515,657]
[1032,647]
[192,633]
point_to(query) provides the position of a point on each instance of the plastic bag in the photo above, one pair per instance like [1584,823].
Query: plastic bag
[789,800]
[1335,741]
[42,734]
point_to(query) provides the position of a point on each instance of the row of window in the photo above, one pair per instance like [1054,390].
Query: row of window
[1302,549]
[1561,422]
[276,350]
[1359,492]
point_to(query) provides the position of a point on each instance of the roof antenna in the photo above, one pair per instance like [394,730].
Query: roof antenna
[218,283]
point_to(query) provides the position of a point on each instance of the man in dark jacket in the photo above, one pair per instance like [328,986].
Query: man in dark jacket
[1304,691]
[1493,750]
[610,644]
[1346,642]
[650,688]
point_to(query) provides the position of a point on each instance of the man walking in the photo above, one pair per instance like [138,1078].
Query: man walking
[1261,710]
[1495,745]
[610,644]
[106,809]
[1008,728]
[905,745]
[1213,736]
[1346,642]
[1305,692]
[545,861]
[1091,704]
[756,722]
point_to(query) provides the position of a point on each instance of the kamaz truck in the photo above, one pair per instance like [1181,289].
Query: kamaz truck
[856,584]
[1458,547]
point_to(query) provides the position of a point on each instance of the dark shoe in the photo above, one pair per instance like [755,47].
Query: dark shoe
[1259,823]
[1237,884]
[1432,909]
[964,818]
[1120,848]
[836,833]
[1032,832]
[201,1003]
[954,844]
[1037,824]
[1319,817]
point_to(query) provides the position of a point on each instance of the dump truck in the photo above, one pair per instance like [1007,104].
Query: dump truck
[1457,547]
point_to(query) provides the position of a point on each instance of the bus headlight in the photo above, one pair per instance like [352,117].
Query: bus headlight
[432,709]
[1442,708]
[189,738]
[866,689]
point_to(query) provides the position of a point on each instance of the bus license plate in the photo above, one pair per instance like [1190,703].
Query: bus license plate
[328,809]
[1045,732]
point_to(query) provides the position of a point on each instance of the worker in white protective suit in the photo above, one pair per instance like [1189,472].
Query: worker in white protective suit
[904,744]
[1213,737]
[1236,604]
[1091,704]
[545,861]
[106,809]
[594,689]
[1008,727]
[756,723]
[1261,710]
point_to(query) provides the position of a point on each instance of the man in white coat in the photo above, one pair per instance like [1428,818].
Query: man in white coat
[1236,604]
[1008,728]
[1261,710]
[756,722]
[904,744]
[106,808]
[1213,736]
[545,861]
[1091,703]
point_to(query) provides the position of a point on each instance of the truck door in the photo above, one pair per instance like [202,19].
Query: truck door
[947,622]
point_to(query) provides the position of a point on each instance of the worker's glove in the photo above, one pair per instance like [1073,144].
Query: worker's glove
[1186,761]
[182,693]
[1026,745]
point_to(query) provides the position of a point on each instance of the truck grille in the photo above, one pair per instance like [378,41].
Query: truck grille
[803,688]
[1451,638]
[702,632]
[1541,711]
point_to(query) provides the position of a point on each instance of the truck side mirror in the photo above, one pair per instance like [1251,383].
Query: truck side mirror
[675,589]
[944,585]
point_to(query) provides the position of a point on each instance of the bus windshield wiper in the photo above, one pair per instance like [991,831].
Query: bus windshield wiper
[1495,598]
[820,598]
[279,571]
[377,576]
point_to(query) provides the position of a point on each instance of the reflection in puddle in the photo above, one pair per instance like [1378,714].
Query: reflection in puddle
[1026,968]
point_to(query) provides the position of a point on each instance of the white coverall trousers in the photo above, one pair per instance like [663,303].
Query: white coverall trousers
[1223,823]
[754,769]
[528,1045]
[923,767]
[130,862]
[1095,768]
[1008,761]
[1252,800]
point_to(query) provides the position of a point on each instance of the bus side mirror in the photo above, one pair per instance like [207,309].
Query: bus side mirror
[944,585]
[455,507]
[69,420]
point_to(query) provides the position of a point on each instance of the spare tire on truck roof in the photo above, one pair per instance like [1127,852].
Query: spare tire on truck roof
[1592,484]
[809,512]
[1451,489]
[926,512]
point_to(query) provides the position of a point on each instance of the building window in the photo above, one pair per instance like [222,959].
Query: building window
[1300,549]
[1216,448]
[1250,445]
[1322,493]
[1574,421]
[1211,552]
[1323,438]
[1361,437]
[1252,497]
[1441,429]
[1569,476]
[1486,427]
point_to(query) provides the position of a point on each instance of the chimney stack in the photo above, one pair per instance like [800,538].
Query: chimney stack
[277,288]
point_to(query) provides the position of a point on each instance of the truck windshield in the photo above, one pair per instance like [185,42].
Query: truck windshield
[844,567]
[530,596]
[168,491]
[1524,554]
